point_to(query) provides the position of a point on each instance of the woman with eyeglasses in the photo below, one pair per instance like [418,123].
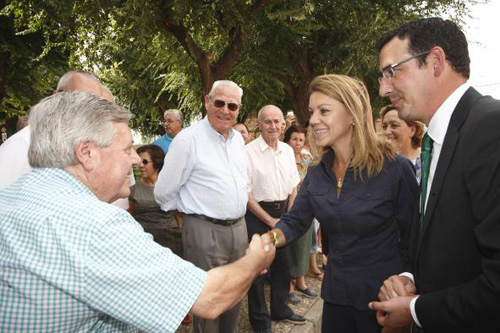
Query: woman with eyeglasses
[143,207]
[406,137]
[362,193]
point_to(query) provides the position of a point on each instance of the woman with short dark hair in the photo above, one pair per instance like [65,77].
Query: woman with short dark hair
[143,207]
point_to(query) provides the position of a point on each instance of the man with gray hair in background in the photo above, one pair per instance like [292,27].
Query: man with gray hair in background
[205,177]
[70,261]
[172,121]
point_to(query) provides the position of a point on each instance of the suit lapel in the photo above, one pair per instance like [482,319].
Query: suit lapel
[451,138]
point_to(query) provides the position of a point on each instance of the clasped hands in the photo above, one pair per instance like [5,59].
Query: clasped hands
[262,246]
[393,309]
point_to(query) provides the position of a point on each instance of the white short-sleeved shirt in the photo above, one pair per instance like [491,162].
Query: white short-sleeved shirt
[272,174]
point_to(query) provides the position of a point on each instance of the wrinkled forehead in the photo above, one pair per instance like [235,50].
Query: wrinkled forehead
[228,94]
[171,117]
[272,114]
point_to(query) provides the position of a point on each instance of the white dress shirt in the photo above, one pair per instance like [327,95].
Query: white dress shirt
[204,174]
[14,157]
[438,126]
[272,174]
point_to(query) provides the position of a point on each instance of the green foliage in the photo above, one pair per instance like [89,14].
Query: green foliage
[156,55]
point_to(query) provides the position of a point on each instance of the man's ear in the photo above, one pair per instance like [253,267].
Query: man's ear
[437,60]
[207,102]
[86,155]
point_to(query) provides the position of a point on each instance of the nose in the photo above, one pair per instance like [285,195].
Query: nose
[385,88]
[386,131]
[313,119]
[225,109]
[136,160]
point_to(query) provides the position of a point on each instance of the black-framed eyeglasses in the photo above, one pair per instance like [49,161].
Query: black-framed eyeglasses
[145,161]
[231,106]
[389,72]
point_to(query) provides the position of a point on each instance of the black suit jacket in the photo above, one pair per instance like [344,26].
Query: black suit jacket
[456,260]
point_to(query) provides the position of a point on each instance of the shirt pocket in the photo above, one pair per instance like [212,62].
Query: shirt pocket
[370,209]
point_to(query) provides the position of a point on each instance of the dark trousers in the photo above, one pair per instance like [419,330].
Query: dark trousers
[347,319]
[279,275]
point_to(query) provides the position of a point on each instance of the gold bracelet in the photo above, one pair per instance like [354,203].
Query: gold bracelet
[273,236]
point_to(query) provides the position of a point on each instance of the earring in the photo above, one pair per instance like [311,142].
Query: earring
[353,123]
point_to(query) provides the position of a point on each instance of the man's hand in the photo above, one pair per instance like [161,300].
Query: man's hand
[263,249]
[396,286]
[394,313]
[272,222]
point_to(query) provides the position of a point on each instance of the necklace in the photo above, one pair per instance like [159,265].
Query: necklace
[340,182]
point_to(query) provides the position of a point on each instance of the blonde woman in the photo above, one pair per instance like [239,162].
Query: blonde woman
[363,195]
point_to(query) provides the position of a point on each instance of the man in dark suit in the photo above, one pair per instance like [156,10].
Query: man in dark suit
[454,284]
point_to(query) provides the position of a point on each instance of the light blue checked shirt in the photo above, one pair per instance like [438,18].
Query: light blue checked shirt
[69,262]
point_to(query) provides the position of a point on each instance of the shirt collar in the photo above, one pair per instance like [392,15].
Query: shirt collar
[263,145]
[439,122]
[209,128]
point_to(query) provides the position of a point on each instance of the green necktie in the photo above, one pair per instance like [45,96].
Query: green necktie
[425,157]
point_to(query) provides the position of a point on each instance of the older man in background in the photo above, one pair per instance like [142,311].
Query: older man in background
[205,177]
[273,179]
[172,121]
[70,261]
[14,152]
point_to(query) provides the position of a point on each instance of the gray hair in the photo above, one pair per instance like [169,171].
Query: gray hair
[175,112]
[259,115]
[59,123]
[225,83]
[66,78]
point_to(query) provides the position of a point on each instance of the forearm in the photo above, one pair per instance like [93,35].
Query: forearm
[254,207]
[291,198]
[225,287]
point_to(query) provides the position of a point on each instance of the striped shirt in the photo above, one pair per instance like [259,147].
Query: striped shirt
[69,262]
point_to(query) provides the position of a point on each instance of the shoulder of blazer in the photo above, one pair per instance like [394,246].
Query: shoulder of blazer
[478,109]
[463,108]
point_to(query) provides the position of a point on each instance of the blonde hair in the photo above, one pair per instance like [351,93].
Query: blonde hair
[368,149]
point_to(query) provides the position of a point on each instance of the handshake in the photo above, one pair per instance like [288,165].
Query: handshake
[263,250]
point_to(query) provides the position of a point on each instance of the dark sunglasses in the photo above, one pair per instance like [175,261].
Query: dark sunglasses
[145,161]
[231,106]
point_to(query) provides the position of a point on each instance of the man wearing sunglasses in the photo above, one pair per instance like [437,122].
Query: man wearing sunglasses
[205,178]
[172,122]
[453,282]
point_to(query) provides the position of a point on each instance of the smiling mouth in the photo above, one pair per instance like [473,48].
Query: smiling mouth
[320,131]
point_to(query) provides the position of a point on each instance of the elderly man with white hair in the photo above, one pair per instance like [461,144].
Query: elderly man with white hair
[210,188]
